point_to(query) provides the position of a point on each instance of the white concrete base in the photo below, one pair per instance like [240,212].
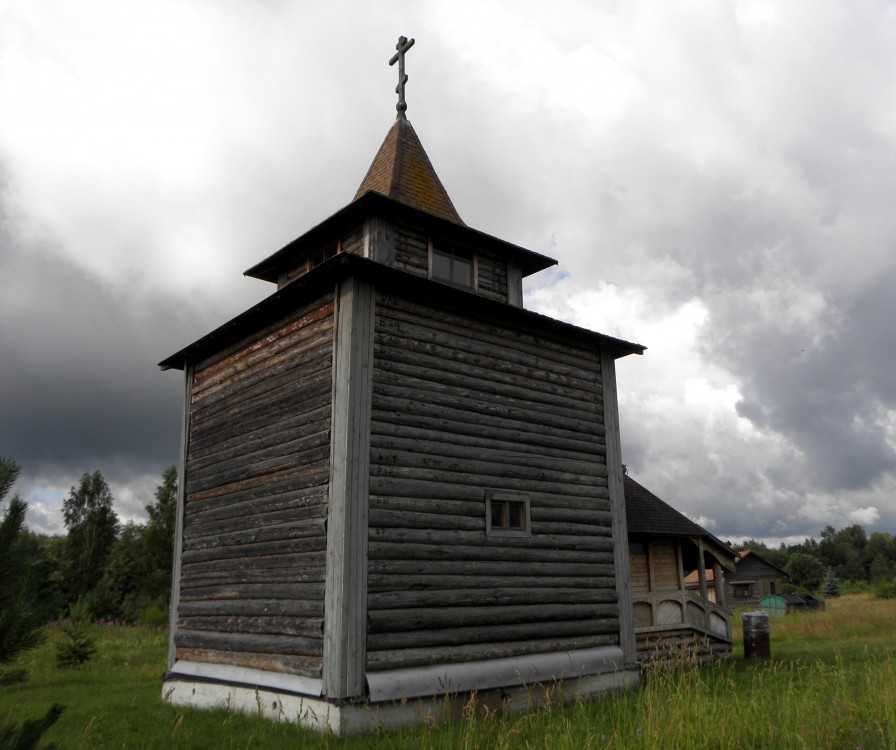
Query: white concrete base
[317,713]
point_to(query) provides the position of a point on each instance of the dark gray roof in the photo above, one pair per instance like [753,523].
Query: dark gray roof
[646,514]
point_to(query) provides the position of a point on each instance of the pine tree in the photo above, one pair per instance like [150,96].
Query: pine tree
[831,584]
[19,619]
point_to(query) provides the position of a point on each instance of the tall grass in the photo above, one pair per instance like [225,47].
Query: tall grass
[830,683]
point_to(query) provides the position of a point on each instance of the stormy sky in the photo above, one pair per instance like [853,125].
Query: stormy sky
[717,180]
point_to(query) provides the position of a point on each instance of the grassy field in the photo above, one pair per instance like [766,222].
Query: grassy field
[831,683]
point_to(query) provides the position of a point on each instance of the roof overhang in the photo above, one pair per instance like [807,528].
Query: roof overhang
[322,279]
[375,204]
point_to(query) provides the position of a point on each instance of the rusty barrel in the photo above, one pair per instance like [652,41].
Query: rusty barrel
[756,635]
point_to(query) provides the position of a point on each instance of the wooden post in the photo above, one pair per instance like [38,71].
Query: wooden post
[617,504]
[345,596]
[174,601]
[704,591]
[718,583]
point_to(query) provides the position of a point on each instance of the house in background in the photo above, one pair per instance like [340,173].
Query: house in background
[673,621]
[753,579]
[397,483]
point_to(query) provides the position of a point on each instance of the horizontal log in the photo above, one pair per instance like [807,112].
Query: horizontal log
[397,487]
[484,407]
[454,539]
[243,575]
[201,527]
[281,393]
[294,345]
[310,628]
[305,666]
[466,435]
[402,658]
[434,445]
[505,632]
[399,407]
[474,569]
[297,499]
[310,563]
[596,513]
[283,482]
[422,505]
[313,458]
[280,532]
[407,358]
[278,547]
[308,367]
[300,590]
[390,550]
[396,620]
[379,582]
[252,608]
[485,474]
[286,425]
[377,517]
[487,597]
[556,352]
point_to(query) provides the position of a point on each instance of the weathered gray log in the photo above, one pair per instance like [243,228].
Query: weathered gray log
[200,527]
[395,355]
[254,607]
[293,626]
[400,658]
[483,597]
[470,331]
[384,486]
[292,575]
[401,407]
[279,547]
[258,469]
[294,477]
[451,540]
[420,394]
[378,550]
[260,564]
[416,520]
[434,446]
[303,590]
[297,499]
[226,536]
[507,633]
[501,568]
[278,336]
[378,582]
[389,620]
[306,666]
[478,436]
[485,473]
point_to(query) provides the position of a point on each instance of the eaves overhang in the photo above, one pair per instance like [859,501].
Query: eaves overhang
[322,280]
[375,204]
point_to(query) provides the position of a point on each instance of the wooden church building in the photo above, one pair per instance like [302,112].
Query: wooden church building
[397,483]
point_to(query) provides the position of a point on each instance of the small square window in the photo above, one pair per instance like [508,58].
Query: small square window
[507,515]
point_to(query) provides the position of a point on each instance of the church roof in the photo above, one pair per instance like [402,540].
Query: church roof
[402,171]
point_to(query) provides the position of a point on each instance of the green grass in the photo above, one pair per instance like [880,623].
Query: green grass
[831,683]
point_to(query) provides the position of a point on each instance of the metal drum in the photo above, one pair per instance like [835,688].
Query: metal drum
[756,635]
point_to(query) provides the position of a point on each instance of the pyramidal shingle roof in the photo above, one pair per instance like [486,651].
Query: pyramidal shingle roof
[401,170]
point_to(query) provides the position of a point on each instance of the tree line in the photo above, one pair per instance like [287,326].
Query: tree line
[119,571]
[850,557]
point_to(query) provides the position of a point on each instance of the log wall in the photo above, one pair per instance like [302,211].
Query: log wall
[412,255]
[254,537]
[462,407]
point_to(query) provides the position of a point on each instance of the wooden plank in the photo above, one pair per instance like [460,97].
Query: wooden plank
[346,585]
[278,547]
[451,538]
[617,498]
[311,627]
[381,582]
[526,569]
[299,590]
[177,562]
[254,608]
[407,486]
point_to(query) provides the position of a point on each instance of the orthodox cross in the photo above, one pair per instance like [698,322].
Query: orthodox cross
[404,44]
